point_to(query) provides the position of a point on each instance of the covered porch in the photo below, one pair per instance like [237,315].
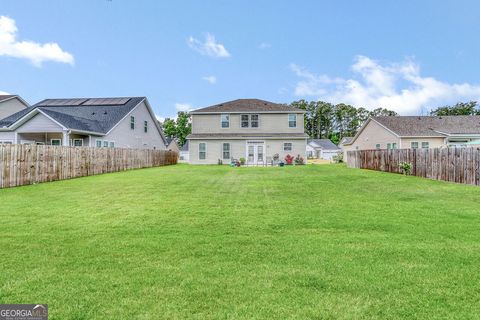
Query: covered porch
[55,139]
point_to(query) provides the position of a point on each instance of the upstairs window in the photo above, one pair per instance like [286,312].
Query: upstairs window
[414,145]
[244,118]
[292,120]
[254,121]
[132,122]
[225,119]
[425,145]
[145,126]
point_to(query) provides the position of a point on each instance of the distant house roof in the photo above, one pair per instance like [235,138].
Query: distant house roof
[346,140]
[248,105]
[184,147]
[426,126]
[246,135]
[324,144]
[96,115]
[5,97]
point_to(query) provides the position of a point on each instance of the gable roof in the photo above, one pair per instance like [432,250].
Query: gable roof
[96,115]
[426,126]
[325,144]
[248,105]
[6,97]
[346,140]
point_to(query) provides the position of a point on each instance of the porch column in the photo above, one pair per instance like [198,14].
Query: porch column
[65,139]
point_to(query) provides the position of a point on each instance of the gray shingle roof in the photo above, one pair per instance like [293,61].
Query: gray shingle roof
[93,118]
[248,105]
[325,144]
[246,135]
[431,126]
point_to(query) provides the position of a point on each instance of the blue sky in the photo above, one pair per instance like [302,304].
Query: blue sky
[404,55]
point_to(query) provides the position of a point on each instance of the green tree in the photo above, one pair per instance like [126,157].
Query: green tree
[183,127]
[459,109]
[169,128]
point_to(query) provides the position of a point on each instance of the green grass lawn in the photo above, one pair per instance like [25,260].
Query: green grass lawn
[312,242]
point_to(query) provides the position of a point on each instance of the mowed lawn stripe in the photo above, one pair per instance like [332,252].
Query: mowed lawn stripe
[318,241]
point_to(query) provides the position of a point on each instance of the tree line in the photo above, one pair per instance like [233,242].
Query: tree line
[324,120]
[460,109]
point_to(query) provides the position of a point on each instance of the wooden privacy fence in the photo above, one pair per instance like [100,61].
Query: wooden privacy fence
[28,164]
[461,165]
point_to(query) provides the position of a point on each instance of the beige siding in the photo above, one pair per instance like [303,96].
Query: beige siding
[374,134]
[268,123]
[433,142]
[238,149]
[40,123]
[10,107]
[124,137]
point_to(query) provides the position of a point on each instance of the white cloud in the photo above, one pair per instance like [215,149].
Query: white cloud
[160,118]
[210,79]
[185,107]
[4,93]
[264,45]
[397,86]
[210,47]
[35,52]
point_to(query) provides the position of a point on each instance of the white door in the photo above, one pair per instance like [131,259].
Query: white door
[255,152]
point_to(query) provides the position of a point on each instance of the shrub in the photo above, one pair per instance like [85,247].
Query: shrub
[242,161]
[299,160]
[289,159]
[338,158]
[406,168]
[219,162]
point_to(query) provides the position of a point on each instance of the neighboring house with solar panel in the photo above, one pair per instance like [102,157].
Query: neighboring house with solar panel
[253,129]
[94,122]
[10,104]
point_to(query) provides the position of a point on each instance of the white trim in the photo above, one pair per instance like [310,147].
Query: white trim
[25,103]
[254,112]
[288,120]
[202,151]
[221,122]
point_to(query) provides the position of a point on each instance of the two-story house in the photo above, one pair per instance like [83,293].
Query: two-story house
[246,128]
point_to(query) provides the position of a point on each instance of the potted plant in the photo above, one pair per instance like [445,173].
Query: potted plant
[289,159]
[242,161]
[281,163]
[299,160]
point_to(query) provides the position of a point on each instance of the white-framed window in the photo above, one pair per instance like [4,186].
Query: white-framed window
[132,122]
[98,143]
[287,146]
[105,144]
[292,120]
[225,120]
[6,141]
[145,126]
[56,142]
[244,120]
[414,145]
[226,151]
[202,151]
[112,144]
[425,145]
[254,120]
[378,146]
[78,142]
[389,146]
[394,145]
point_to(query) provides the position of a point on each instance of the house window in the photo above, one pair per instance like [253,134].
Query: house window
[254,121]
[226,151]
[132,122]
[225,119]
[292,120]
[377,146]
[145,126]
[394,145]
[389,146]
[56,142]
[6,142]
[414,145]
[425,145]
[112,144]
[78,142]
[105,144]
[244,118]
[287,146]
[98,143]
[202,151]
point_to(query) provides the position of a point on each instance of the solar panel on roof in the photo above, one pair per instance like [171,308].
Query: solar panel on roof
[63,102]
[105,101]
